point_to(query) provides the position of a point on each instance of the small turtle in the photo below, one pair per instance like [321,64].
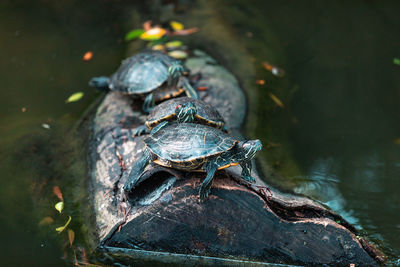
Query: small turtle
[145,72]
[182,109]
[193,147]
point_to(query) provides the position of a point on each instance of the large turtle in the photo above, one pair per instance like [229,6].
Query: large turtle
[145,72]
[192,147]
[182,109]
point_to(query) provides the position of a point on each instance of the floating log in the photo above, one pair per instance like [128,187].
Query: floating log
[164,221]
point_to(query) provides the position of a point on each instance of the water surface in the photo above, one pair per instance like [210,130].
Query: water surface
[335,135]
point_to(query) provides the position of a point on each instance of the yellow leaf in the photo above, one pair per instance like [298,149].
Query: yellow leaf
[173,44]
[178,54]
[276,100]
[59,206]
[74,97]
[71,237]
[62,228]
[397,141]
[158,47]
[46,220]
[177,26]
[153,34]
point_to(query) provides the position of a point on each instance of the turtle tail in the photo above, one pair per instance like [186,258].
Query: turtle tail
[100,83]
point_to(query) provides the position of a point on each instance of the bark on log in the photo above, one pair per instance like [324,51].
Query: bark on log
[238,224]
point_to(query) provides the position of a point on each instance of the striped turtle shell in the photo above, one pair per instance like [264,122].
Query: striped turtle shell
[206,113]
[180,143]
[141,73]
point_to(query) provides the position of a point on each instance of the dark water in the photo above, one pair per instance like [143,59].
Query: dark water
[344,114]
[42,43]
[339,123]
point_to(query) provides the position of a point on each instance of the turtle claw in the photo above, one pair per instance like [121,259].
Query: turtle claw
[249,179]
[140,130]
[204,193]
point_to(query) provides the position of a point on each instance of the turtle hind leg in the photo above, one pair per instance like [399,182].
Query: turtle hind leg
[137,171]
[148,104]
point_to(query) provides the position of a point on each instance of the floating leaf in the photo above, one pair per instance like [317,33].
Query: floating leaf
[397,141]
[276,100]
[184,32]
[46,126]
[173,44]
[176,26]
[59,206]
[71,237]
[158,47]
[62,228]
[260,82]
[134,34]
[202,88]
[273,69]
[58,193]
[74,97]
[87,56]
[396,61]
[153,34]
[46,220]
[178,54]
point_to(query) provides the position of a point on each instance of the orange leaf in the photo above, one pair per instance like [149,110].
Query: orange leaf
[185,31]
[46,220]
[71,237]
[87,56]
[202,88]
[147,25]
[57,192]
[260,82]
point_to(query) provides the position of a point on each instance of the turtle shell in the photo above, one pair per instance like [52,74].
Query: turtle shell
[141,73]
[180,143]
[206,113]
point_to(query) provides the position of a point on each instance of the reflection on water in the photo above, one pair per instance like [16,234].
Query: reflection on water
[322,184]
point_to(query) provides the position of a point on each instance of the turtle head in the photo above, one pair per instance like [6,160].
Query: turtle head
[175,71]
[248,149]
[186,112]
[101,83]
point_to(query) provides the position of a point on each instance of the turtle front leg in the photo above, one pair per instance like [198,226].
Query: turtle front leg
[189,90]
[148,104]
[159,127]
[246,171]
[211,167]
[137,171]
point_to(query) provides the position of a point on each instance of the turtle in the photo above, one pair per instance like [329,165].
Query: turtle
[151,74]
[182,109]
[194,147]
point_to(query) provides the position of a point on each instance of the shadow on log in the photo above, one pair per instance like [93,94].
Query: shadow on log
[163,221]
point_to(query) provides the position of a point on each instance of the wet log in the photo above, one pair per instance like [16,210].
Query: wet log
[164,220]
